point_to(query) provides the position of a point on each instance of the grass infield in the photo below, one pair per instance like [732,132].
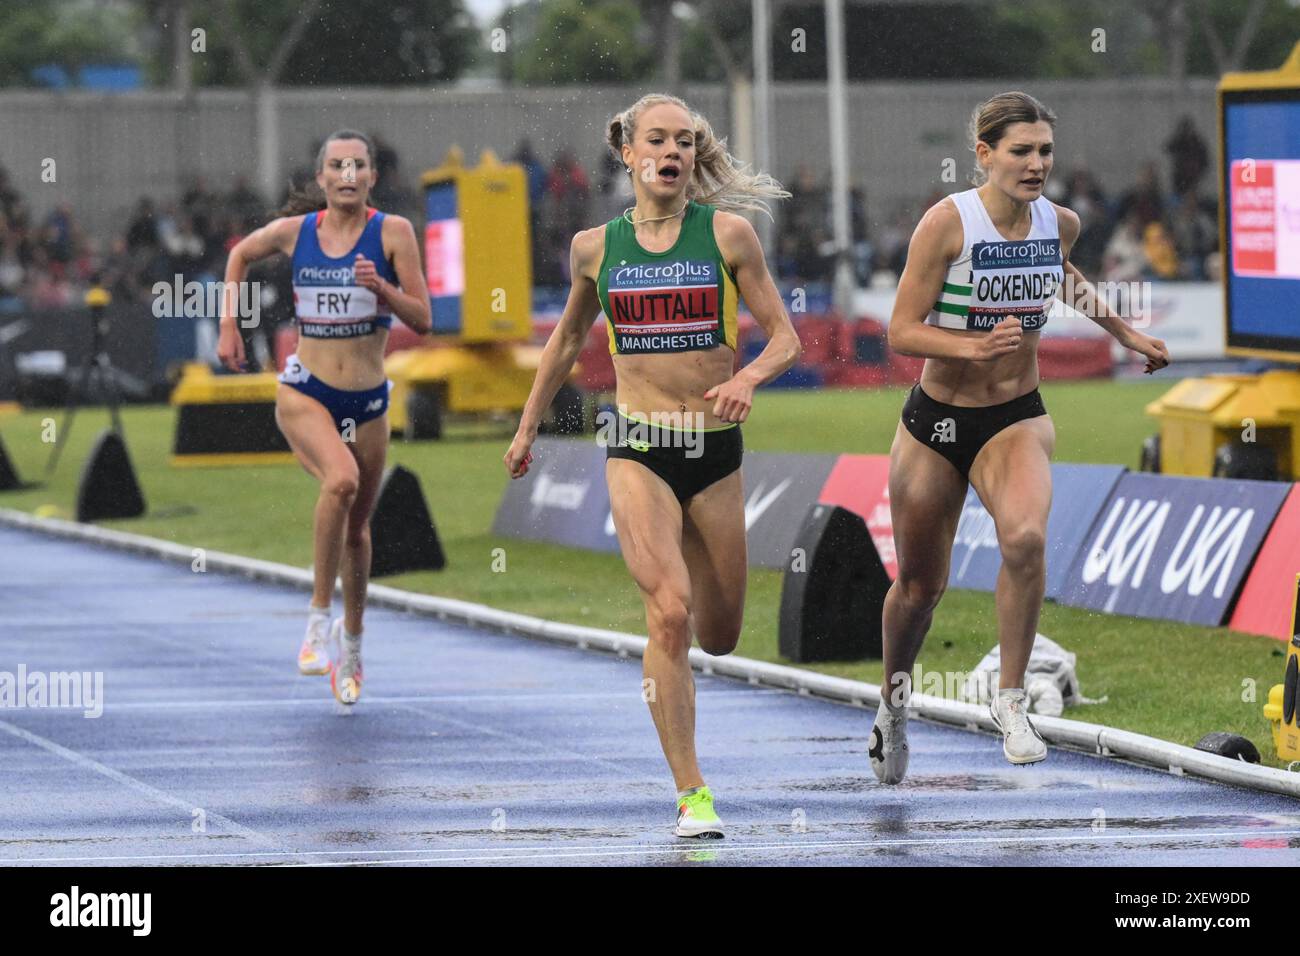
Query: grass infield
[1169,680]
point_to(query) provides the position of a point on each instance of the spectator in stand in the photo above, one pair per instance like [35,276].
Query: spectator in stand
[568,195]
[185,246]
[535,177]
[391,192]
[534,172]
[120,274]
[142,230]
[1189,157]
[614,187]
[811,260]
[569,190]
[1145,198]
[58,234]
[861,239]
[10,202]
[49,287]
[1125,259]
[1085,197]
[806,208]
[891,249]
[13,275]
[1195,236]
[1160,252]
[244,201]
[202,206]
[86,260]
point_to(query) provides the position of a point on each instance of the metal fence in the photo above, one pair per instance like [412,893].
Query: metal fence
[109,150]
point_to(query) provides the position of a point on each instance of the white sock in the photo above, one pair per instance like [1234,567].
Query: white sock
[683,794]
[317,617]
[351,642]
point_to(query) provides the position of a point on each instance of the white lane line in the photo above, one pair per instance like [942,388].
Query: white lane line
[139,786]
[542,852]
[713,847]
[426,699]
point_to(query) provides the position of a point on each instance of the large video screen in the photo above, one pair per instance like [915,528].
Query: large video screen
[1262,190]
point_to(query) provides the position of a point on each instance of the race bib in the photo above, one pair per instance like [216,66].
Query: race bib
[664,307]
[1013,278]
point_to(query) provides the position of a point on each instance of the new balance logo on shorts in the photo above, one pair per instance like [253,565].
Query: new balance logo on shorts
[375,405]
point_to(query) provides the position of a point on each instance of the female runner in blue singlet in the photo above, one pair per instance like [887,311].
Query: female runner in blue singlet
[983,269]
[354,268]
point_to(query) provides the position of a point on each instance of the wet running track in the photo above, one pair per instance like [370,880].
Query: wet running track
[471,747]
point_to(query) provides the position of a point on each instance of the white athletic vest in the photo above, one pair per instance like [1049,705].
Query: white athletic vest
[993,277]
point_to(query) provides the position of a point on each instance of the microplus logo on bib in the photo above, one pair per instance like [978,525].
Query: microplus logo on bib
[316,275]
[1017,255]
[663,273]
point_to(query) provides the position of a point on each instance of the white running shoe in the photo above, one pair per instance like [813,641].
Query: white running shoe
[314,656]
[1021,741]
[888,750]
[345,675]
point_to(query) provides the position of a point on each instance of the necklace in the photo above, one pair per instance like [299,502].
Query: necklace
[636,222]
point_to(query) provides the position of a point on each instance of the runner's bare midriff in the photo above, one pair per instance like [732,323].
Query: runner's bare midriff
[650,384]
[353,365]
[970,383]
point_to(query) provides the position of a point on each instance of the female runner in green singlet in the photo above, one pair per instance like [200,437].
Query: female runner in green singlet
[668,275]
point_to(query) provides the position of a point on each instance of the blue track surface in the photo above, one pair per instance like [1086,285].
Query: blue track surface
[472,747]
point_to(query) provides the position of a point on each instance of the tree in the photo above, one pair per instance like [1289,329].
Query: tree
[1236,35]
[336,43]
[65,34]
[716,45]
[581,41]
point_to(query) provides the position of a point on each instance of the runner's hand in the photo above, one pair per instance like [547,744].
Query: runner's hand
[519,456]
[230,348]
[364,274]
[1004,339]
[1152,349]
[733,399]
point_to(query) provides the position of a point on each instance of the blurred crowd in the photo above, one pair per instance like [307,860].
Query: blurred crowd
[1154,229]
[51,263]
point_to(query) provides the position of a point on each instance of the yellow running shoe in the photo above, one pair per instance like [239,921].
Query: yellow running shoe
[695,816]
